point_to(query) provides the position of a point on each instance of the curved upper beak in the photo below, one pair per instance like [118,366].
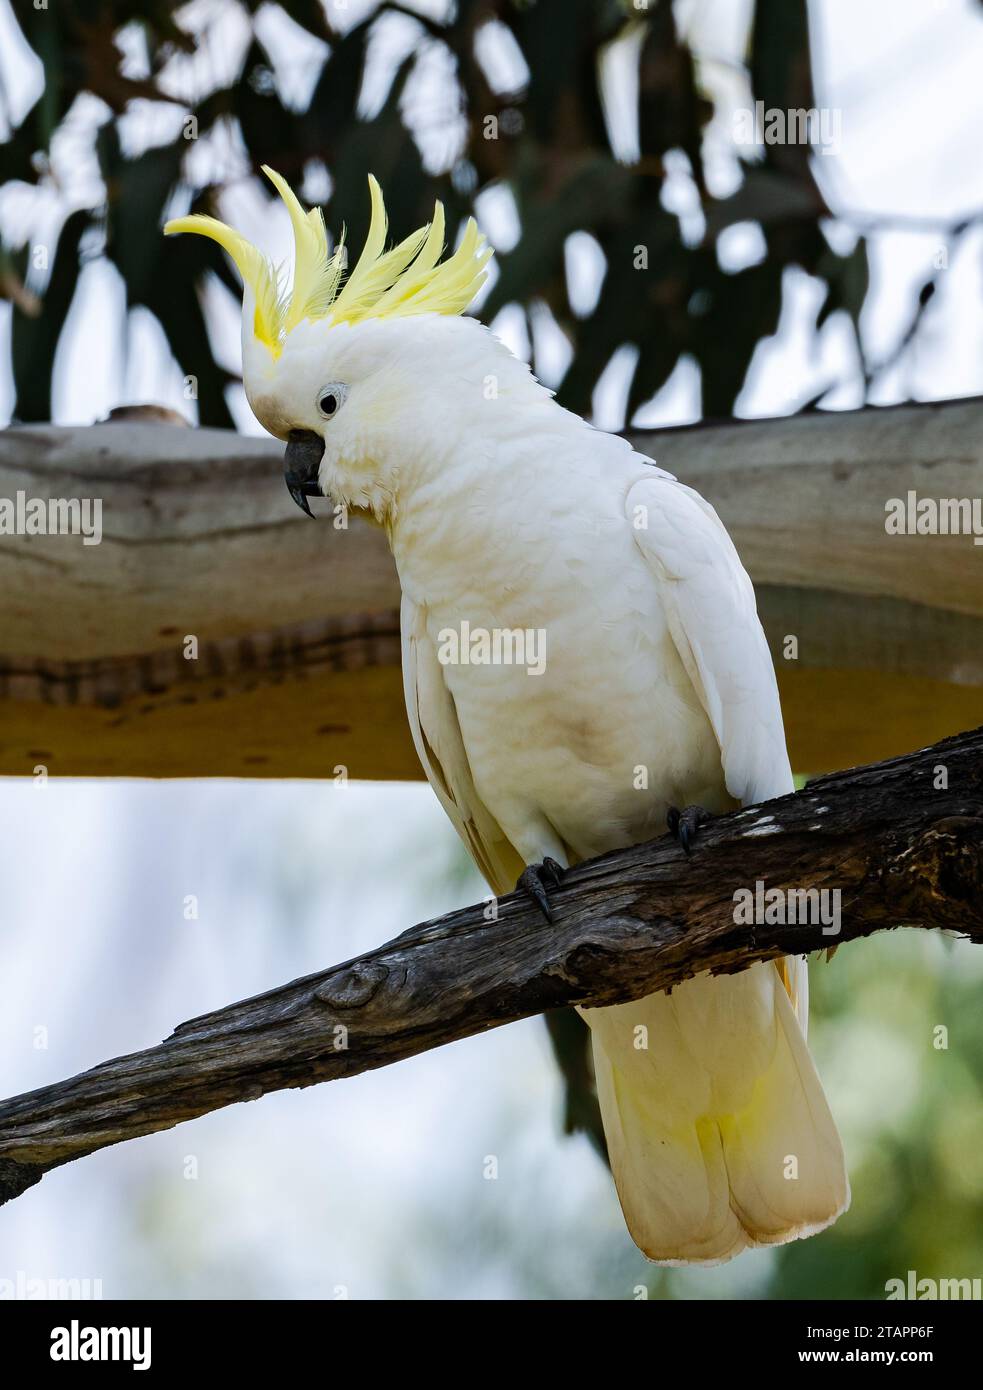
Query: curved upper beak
[301,464]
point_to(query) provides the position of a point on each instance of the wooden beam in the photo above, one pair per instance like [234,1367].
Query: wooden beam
[297,664]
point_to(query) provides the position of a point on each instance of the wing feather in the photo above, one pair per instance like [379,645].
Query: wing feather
[714,623]
[440,748]
[713,619]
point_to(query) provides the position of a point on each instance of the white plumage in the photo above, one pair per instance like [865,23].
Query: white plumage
[505,512]
[718,1131]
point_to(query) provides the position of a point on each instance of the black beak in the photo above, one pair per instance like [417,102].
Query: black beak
[301,463]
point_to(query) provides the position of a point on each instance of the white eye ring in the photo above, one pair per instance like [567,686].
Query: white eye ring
[331,398]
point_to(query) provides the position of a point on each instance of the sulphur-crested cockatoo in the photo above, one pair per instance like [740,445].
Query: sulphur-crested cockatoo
[581,652]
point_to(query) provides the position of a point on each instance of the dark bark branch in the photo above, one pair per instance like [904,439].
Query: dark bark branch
[901,850]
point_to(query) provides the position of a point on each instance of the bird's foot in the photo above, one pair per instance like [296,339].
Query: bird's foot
[684,825]
[534,879]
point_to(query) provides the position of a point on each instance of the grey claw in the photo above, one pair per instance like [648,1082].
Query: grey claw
[533,880]
[684,825]
[552,870]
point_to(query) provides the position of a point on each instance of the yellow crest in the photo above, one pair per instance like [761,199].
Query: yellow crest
[408,279]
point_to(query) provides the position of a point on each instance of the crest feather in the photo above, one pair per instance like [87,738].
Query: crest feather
[314,268]
[258,272]
[408,279]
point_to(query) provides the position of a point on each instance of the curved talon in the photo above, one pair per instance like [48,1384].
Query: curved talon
[533,881]
[553,871]
[684,825]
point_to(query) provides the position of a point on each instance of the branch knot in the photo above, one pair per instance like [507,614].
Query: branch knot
[354,987]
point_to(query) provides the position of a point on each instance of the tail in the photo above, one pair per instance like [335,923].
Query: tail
[717,1127]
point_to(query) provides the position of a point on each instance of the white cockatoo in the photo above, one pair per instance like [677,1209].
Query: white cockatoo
[652,686]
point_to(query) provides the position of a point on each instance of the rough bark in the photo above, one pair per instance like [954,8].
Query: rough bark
[902,842]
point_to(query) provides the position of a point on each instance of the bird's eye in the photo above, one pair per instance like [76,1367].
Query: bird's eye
[330,399]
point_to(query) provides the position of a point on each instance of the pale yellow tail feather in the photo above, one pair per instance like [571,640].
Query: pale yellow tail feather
[718,1130]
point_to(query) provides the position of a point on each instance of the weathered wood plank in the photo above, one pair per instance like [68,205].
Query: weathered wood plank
[297,662]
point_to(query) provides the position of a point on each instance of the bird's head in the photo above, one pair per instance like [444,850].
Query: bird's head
[346,368]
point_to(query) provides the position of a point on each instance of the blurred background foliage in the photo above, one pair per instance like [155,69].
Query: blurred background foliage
[544,137]
[379,1185]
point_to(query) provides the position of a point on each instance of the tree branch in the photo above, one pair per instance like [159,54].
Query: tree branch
[900,849]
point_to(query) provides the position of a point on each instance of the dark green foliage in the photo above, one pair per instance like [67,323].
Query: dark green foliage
[548,142]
